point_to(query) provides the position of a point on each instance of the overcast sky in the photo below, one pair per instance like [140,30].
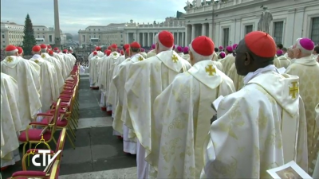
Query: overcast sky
[78,14]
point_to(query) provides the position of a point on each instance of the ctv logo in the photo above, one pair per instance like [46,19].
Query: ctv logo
[44,157]
[36,154]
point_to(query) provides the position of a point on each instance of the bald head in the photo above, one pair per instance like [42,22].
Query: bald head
[246,61]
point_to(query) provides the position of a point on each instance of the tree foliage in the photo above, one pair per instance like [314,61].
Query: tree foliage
[28,39]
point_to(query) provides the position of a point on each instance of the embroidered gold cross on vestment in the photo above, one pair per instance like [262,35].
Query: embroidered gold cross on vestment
[174,58]
[293,91]
[210,70]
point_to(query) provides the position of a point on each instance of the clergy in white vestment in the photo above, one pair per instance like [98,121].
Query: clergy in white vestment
[94,70]
[59,57]
[147,80]
[228,60]
[217,63]
[127,53]
[307,69]
[185,54]
[152,52]
[111,97]
[57,65]
[49,91]
[10,121]
[143,53]
[102,80]
[121,113]
[183,114]
[35,69]
[179,51]
[316,169]
[69,59]
[29,97]
[316,53]
[261,126]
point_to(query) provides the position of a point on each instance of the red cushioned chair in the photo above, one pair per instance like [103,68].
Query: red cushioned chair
[64,122]
[34,135]
[50,172]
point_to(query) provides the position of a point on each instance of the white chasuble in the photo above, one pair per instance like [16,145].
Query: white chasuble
[151,53]
[262,126]
[237,79]
[29,97]
[227,62]
[119,80]
[112,91]
[182,115]
[94,64]
[147,79]
[50,91]
[35,71]
[316,170]
[308,71]
[65,68]
[10,119]
[58,69]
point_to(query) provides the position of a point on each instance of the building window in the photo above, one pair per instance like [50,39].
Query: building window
[2,36]
[248,29]
[225,36]
[278,31]
[315,29]
[50,38]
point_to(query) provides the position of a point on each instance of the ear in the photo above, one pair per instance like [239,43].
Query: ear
[248,60]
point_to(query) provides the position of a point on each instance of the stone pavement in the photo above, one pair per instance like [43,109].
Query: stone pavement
[98,154]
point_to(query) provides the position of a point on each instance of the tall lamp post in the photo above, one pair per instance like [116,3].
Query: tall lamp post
[57,24]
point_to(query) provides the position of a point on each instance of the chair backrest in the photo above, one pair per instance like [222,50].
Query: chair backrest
[61,141]
[56,115]
[55,170]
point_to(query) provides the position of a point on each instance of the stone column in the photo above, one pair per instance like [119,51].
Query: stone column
[211,30]
[178,42]
[127,38]
[204,29]
[57,25]
[144,39]
[149,39]
[183,39]
[193,32]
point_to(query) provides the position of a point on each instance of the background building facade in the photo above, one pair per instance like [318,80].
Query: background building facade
[225,21]
[229,21]
[131,31]
[12,33]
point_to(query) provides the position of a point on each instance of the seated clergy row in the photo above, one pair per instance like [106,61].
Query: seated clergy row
[27,88]
[161,106]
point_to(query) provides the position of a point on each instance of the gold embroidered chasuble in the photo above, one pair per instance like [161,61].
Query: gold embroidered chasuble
[65,68]
[103,74]
[29,97]
[111,60]
[94,70]
[147,79]
[49,91]
[10,119]
[112,91]
[277,62]
[316,170]
[227,62]
[182,115]
[261,126]
[237,79]
[58,69]
[151,53]
[35,73]
[284,62]
[119,81]
[308,71]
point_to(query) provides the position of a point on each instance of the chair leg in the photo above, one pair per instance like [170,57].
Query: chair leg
[72,132]
[70,140]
